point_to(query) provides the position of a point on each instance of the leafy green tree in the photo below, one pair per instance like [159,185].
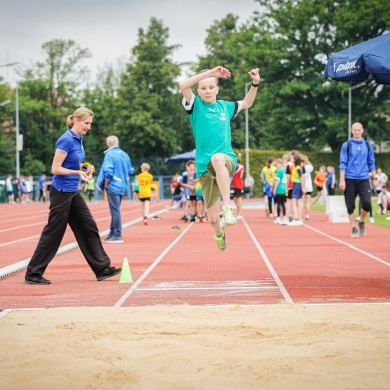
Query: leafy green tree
[48,92]
[306,111]
[33,166]
[101,98]
[290,42]
[239,48]
[147,104]
[7,132]
[63,69]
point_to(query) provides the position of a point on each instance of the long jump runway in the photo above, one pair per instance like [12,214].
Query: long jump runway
[264,263]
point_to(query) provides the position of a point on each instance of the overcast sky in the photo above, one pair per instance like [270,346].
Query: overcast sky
[108,28]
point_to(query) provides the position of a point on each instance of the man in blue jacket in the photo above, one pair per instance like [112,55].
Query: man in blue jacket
[357,161]
[114,178]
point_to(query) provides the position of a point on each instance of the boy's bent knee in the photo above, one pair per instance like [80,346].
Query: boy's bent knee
[218,159]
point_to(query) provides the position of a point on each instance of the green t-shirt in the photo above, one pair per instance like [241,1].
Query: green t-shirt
[281,188]
[211,127]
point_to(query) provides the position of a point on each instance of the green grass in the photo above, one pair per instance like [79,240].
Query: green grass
[380,220]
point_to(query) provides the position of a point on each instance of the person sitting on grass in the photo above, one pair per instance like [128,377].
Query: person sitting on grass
[383,201]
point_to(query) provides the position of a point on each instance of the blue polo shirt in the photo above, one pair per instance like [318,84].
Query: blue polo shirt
[72,145]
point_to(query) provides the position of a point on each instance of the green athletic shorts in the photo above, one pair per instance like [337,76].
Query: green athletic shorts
[209,184]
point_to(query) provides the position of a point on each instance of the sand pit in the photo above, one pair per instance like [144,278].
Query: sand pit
[190,347]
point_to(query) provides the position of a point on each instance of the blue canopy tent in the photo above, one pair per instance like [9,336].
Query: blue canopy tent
[357,62]
[183,157]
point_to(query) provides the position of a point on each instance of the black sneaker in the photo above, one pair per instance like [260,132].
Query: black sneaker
[355,233]
[362,230]
[107,273]
[36,280]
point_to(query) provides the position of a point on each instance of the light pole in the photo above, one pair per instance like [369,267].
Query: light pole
[247,134]
[18,142]
[350,107]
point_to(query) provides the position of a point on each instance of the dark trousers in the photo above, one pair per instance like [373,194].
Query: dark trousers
[68,208]
[353,188]
[41,196]
[280,204]
[331,191]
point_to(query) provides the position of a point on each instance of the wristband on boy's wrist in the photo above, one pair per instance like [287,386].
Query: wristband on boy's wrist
[255,85]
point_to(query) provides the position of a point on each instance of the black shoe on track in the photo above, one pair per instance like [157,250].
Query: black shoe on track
[107,273]
[36,280]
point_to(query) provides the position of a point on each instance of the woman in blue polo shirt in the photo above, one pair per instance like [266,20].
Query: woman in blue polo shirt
[67,206]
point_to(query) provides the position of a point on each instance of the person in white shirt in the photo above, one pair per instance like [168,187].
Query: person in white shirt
[308,185]
[9,188]
[249,184]
[383,201]
[381,180]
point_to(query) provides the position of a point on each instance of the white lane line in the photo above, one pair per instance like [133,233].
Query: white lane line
[205,288]
[150,269]
[43,223]
[20,240]
[4,312]
[349,245]
[20,265]
[222,306]
[262,284]
[20,227]
[271,269]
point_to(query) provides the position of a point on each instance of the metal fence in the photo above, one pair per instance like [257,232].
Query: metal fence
[163,184]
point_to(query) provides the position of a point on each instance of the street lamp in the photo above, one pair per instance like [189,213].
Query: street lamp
[18,140]
[9,64]
[19,137]
[247,133]
[2,104]
[350,107]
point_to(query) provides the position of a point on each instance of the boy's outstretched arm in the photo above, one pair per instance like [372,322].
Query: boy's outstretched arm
[185,85]
[250,97]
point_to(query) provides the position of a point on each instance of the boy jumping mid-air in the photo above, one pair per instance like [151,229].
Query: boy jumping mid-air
[215,159]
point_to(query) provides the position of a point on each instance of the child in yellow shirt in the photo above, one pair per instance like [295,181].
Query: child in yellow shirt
[145,190]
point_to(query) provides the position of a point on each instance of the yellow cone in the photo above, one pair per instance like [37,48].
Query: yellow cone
[125,273]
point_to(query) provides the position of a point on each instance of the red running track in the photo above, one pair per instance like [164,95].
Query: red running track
[317,263]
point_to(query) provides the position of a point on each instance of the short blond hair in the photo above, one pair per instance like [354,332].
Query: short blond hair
[145,167]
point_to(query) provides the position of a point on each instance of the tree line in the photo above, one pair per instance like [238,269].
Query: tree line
[139,100]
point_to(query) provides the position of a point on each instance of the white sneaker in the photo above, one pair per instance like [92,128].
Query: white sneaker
[277,220]
[294,222]
[387,219]
[372,220]
[284,221]
[239,216]
[228,216]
